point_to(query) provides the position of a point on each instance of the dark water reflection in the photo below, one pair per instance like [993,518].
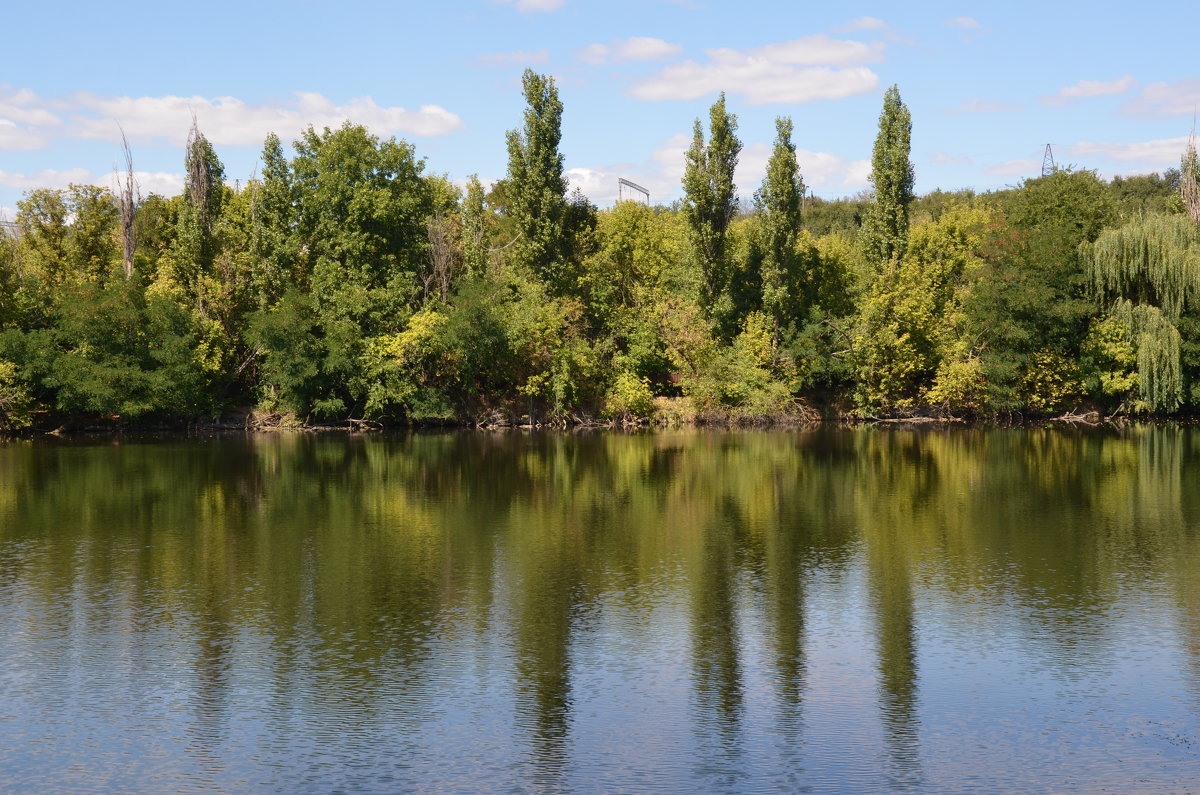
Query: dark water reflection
[835,610]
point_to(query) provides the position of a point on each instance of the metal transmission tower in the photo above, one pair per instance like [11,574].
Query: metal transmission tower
[1048,166]
[623,183]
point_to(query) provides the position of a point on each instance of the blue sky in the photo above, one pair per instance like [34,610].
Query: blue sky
[1113,86]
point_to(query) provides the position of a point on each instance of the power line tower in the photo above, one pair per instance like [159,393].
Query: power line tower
[634,188]
[1048,166]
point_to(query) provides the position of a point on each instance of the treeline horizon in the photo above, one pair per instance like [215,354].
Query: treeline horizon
[345,283]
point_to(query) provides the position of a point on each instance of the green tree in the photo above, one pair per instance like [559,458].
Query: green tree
[474,229]
[203,195]
[778,202]
[710,198]
[885,227]
[361,215]
[535,186]
[1147,274]
[276,242]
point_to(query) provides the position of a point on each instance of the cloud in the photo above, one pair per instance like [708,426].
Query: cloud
[795,71]
[964,23]
[525,6]
[516,57]
[947,159]
[22,106]
[635,48]
[230,121]
[161,182]
[1164,151]
[662,173]
[16,138]
[48,178]
[1165,99]
[976,105]
[862,23]
[1014,168]
[1088,88]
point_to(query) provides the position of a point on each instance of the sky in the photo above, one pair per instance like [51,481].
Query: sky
[1113,87]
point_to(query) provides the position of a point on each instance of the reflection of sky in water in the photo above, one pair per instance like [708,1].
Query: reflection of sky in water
[841,610]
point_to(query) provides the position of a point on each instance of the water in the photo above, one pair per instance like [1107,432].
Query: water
[692,611]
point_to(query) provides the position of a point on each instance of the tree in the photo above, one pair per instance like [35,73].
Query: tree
[474,229]
[778,203]
[536,187]
[1146,274]
[1189,180]
[885,228]
[203,195]
[275,241]
[360,217]
[709,197]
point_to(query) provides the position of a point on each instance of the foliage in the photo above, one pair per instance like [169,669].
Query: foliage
[345,282]
[535,185]
[885,227]
[710,197]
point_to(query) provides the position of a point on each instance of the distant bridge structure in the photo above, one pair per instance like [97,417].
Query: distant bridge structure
[624,187]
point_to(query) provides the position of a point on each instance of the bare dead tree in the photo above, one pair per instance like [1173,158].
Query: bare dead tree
[1189,182]
[128,199]
[199,179]
[444,256]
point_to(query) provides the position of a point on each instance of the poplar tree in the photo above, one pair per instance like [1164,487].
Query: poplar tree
[778,203]
[203,195]
[709,196]
[474,230]
[273,218]
[536,185]
[885,227]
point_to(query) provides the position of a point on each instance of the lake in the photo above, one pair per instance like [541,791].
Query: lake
[827,610]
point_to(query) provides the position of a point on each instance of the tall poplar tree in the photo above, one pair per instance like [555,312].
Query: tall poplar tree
[885,227]
[203,195]
[275,240]
[779,202]
[709,196]
[536,185]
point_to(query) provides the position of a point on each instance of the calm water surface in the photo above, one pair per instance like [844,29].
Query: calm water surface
[832,610]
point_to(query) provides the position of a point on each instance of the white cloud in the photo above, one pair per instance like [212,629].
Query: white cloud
[161,182]
[862,23]
[815,50]
[1013,168]
[966,23]
[947,159]
[1165,151]
[48,178]
[635,48]
[593,53]
[662,173]
[976,105]
[515,57]
[230,121]
[525,6]
[16,138]
[795,71]
[1089,88]
[22,106]
[1165,99]
[645,48]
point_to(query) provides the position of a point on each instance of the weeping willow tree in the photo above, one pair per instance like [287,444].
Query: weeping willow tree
[1146,274]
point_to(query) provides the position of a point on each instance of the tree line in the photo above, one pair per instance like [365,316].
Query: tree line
[346,282]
